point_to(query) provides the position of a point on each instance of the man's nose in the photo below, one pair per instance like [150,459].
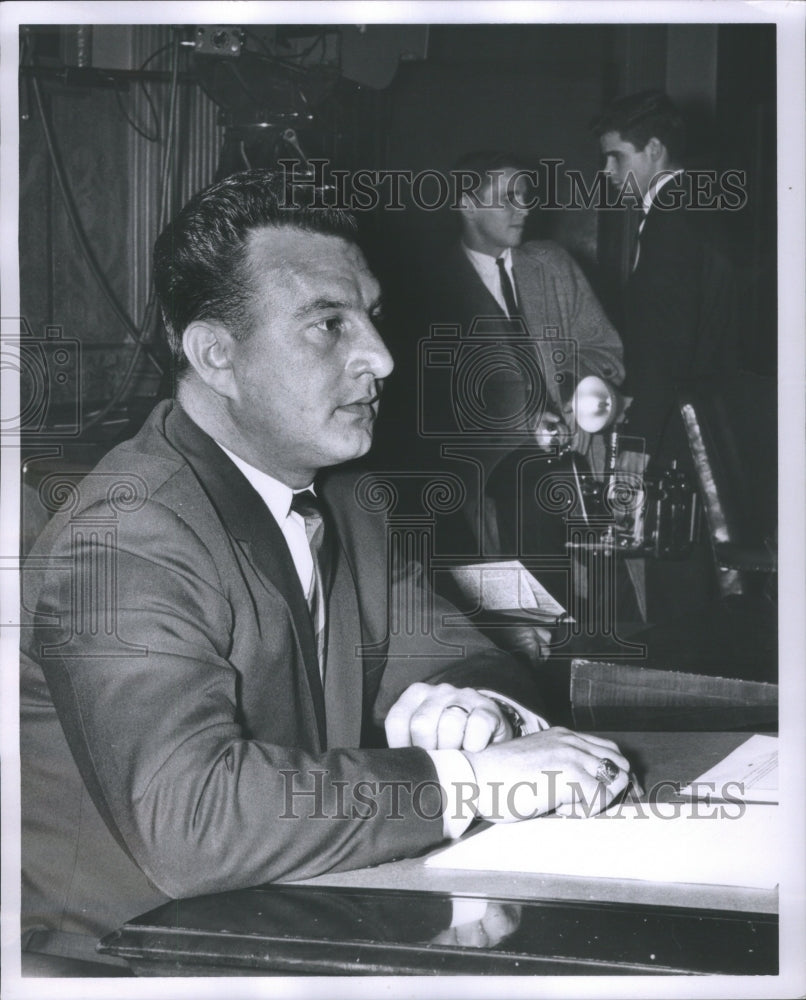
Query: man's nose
[372,355]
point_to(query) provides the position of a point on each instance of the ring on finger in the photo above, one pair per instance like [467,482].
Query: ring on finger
[606,772]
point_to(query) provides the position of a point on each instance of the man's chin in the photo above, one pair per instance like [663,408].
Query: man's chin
[350,446]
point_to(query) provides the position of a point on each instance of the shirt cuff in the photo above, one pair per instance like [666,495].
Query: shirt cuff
[458,781]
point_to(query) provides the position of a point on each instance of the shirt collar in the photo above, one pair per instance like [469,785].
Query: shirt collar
[652,192]
[486,261]
[276,495]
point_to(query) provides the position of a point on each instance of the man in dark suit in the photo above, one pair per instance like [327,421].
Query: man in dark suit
[530,327]
[215,692]
[491,275]
[680,307]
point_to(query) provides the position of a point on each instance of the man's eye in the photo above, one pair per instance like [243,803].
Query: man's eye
[333,324]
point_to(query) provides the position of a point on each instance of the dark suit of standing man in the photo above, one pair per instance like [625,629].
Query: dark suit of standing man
[542,327]
[491,274]
[189,725]
[680,299]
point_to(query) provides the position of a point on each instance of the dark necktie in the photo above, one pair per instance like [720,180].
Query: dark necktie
[312,509]
[507,290]
[638,223]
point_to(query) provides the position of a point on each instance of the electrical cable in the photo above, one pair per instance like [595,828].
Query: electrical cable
[154,117]
[238,76]
[137,334]
[289,62]
[148,317]
[78,231]
[152,108]
[306,52]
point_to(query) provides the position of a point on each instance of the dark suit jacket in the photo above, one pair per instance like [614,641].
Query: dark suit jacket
[173,653]
[680,322]
[556,303]
[511,372]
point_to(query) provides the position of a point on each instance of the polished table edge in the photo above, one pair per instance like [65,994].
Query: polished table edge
[241,933]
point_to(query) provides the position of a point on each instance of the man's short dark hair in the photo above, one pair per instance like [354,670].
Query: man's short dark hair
[200,259]
[487,162]
[639,117]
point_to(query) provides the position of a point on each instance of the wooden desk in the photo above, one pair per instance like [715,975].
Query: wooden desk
[395,918]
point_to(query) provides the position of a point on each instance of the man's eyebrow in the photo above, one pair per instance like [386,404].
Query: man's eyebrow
[320,305]
[325,305]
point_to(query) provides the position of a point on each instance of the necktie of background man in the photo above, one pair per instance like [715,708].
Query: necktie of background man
[507,290]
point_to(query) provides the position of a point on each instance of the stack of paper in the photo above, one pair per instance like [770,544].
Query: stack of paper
[728,843]
[749,773]
[507,587]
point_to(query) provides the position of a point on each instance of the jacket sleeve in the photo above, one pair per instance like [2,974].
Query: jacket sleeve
[447,648]
[136,646]
[600,349]
[412,632]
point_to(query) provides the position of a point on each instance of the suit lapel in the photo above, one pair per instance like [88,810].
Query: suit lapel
[247,520]
[532,298]
[344,675]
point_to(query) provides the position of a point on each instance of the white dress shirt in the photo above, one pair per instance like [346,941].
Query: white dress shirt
[653,189]
[277,497]
[487,269]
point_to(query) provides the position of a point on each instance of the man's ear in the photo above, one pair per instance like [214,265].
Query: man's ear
[467,205]
[656,149]
[208,347]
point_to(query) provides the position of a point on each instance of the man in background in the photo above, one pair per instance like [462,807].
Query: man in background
[680,308]
[542,329]
[492,274]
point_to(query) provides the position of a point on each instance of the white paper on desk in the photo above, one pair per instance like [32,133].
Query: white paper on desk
[635,842]
[506,586]
[750,773]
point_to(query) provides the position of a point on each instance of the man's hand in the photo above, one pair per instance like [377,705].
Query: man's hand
[443,717]
[554,769]
[551,431]
[527,641]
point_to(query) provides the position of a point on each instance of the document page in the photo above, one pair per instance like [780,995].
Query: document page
[731,844]
[749,773]
[507,586]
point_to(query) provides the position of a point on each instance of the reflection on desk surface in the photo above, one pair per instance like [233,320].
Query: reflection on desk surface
[320,931]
